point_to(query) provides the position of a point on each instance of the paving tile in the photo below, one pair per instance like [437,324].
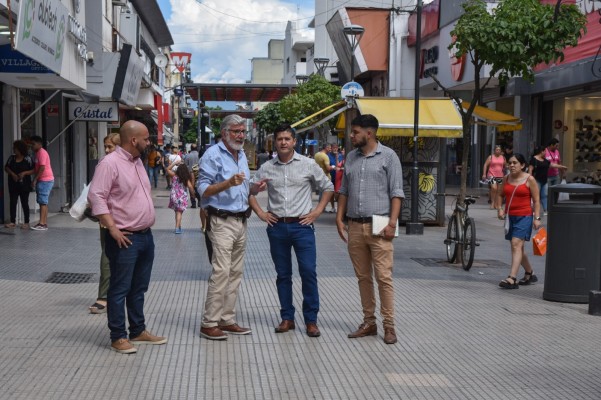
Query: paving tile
[460,336]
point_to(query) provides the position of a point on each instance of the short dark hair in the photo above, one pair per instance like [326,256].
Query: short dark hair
[538,150]
[193,147]
[36,139]
[552,142]
[284,127]
[21,147]
[366,121]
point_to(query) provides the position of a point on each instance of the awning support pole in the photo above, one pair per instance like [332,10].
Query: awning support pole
[71,123]
[39,107]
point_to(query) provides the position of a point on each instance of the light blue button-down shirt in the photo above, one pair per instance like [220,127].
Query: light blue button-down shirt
[218,165]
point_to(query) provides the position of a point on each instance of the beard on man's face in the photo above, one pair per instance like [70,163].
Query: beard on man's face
[233,144]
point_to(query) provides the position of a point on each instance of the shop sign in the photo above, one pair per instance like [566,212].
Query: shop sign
[41,30]
[457,63]
[129,75]
[429,56]
[52,110]
[16,63]
[103,111]
[181,60]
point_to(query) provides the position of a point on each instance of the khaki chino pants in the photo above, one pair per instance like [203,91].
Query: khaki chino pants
[228,236]
[372,255]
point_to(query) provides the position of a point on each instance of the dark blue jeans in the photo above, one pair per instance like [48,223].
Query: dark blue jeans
[130,275]
[282,238]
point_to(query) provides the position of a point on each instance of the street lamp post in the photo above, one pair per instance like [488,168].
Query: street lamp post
[414,227]
[300,79]
[355,33]
[321,64]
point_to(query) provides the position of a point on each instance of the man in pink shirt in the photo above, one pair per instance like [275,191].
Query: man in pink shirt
[42,182]
[120,198]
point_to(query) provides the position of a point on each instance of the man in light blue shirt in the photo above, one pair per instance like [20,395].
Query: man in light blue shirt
[223,185]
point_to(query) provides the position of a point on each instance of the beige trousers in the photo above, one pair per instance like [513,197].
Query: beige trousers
[372,255]
[229,245]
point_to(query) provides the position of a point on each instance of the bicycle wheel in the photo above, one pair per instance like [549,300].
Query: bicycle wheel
[469,243]
[451,242]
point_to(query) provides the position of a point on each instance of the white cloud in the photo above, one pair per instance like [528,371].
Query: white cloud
[224,36]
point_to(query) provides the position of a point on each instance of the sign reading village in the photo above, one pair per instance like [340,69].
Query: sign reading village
[41,30]
[105,111]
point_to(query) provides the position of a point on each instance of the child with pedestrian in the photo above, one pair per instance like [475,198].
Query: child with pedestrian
[181,182]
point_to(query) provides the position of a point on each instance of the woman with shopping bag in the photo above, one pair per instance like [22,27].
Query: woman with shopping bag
[522,198]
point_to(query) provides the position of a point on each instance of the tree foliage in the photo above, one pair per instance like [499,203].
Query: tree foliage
[312,96]
[512,39]
[191,134]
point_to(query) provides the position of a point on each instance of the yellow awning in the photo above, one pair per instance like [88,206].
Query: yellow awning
[437,117]
[503,122]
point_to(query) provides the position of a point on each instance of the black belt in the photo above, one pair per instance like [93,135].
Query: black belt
[225,213]
[141,231]
[289,220]
[361,220]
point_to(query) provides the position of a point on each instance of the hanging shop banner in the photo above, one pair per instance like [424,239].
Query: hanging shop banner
[128,77]
[41,30]
[181,60]
[103,111]
[14,62]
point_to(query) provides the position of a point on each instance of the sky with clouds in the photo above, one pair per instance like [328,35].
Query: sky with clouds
[224,35]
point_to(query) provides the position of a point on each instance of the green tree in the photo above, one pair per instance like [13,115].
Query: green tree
[513,38]
[312,96]
[191,134]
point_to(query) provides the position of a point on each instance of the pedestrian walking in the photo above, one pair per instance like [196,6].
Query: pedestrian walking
[493,170]
[290,178]
[181,183]
[539,168]
[191,160]
[99,307]
[120,196]
[372,186]
[19,168]
[224,186]
[521,200]
[154,165]
[43,181]
[555,175]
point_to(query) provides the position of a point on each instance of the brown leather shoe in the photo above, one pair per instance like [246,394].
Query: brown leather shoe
[285,326]
[235,329]
[213,333]
[313,330]
[364,330]
[389,335]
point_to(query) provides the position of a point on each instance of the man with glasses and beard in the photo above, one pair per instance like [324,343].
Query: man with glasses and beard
[372,185]
[224,187]
[120,198]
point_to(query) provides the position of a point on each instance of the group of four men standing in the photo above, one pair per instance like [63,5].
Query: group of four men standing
[372,186]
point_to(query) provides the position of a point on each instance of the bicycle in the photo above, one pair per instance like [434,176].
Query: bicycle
[461,232]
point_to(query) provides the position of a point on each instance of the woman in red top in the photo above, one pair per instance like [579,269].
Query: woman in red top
[521,196]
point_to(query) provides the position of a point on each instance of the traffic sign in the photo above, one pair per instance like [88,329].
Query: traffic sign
[351,89]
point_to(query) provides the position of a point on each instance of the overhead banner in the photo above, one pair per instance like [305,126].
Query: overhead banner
[181,60]
[13,62]
[104,111]
[41,30]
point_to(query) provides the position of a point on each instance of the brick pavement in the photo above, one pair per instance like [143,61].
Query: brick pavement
[460,336]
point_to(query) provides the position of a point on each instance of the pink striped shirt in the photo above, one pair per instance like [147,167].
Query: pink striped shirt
[120,187]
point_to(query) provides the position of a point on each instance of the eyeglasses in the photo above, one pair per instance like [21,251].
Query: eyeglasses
[237,131]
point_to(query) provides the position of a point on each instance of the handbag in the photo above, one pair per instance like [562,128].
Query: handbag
[539,242]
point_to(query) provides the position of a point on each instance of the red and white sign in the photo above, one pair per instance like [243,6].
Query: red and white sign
[457,63]
[52,110]
[181,60]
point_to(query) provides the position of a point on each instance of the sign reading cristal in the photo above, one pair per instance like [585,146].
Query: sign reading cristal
[104,111]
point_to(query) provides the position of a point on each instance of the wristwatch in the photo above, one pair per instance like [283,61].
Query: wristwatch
[537,218]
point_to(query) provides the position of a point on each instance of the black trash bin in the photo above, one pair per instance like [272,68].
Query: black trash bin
[573,264]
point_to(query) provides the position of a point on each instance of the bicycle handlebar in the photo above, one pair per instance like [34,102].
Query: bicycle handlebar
[468,196]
